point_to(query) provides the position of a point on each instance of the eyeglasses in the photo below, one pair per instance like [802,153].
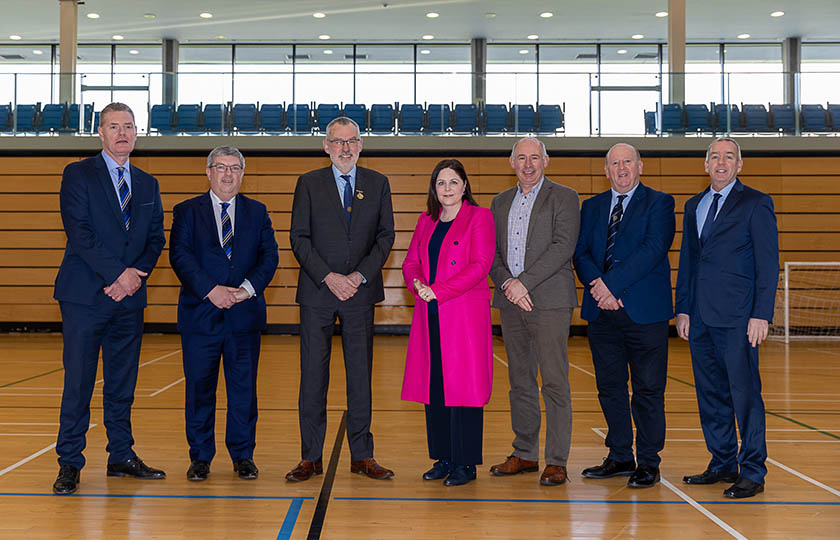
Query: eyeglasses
[341,142]
[221,168]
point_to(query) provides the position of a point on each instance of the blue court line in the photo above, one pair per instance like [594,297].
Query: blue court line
[584,501]
[291,518]
[141,496]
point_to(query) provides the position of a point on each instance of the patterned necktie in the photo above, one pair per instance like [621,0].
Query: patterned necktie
[710,218]
[125,197]
[612,231]
[227,231]
[348,199]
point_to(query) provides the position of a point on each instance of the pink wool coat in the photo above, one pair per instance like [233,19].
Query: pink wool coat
[463,295]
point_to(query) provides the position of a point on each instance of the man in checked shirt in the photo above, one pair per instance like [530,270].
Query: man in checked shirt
[537,224]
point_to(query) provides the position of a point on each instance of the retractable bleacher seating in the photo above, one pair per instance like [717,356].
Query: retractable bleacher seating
[162,118]
[755,118]
[27,116]
[495,118]
[53,117]
[727,118]
[382,118]
[187,118]
[814,118]
[697,117]
[214,117]
[522,118]
[784,117]
[410,118]
[299,118]
[273,117]
[672,118]
[551,118]
[466,118]
[74,123]
[438,118]
[245,118]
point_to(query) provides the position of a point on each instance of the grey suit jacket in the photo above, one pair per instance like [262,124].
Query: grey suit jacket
[322,244]
[552,235]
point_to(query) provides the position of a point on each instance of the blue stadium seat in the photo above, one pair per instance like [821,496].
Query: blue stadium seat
[187,118]
[162,118]
[784,117]
[650,123]
[214,118]
[357,112]
[727,118]
[672,118]
[95,122]
[245,117]
[439,118]
[755,118]
[466,118]
[326,113]
[495,118]
[26,117]
[834,115]
[697,117]
[522,118]
[814,118]
[551,118]
[382,118]
[411,118]
[273,117]
[299,117]
[53,117]
[6,117]
[73,120]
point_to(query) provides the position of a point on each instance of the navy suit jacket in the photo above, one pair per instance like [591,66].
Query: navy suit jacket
[200,263]
[641,274]
[322,244]
[733,277]
[98,247]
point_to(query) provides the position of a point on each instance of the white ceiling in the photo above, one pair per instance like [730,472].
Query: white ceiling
[37,21]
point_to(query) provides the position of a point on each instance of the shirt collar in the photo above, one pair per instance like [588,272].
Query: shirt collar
[337,173]
[217,201]
[629,194]
[112,165]
[535,190]
[725,191]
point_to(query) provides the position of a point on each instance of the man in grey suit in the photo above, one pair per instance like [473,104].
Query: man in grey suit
[537,225]
[341,234]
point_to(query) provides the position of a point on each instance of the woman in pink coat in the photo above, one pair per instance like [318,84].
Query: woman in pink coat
[449,362]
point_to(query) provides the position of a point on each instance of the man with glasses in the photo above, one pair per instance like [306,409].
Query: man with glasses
[341,234]
[223,250]
[113,219]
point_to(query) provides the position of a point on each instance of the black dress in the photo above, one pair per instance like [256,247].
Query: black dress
[454,433]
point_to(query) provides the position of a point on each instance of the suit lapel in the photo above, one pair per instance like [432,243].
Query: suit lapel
[502,237]
[359,204]
[542,196]
[107,185]
[634,208]
[208,222]
[328,188]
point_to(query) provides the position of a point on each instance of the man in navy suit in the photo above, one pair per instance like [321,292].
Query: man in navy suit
[622,258]
[113,220]
[341,234]
[223,250]
[726,290]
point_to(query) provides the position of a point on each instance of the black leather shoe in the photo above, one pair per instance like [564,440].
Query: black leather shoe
[645,476]
[135,468]
[246,469]
[67,481]
[198,471]
[711,477]
[610,468]
[439,470]
[460,475]
[743,488]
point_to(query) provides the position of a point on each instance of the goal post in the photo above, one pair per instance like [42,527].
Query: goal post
[807,302]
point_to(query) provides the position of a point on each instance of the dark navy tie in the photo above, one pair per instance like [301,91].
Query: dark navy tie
[227,231]
[348,198]
[612,231]
[125,196]
[710,218]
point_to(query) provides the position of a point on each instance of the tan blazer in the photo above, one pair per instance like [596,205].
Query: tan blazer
[552,235]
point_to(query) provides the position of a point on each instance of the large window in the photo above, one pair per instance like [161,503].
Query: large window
[565,78]
[384,74]
[512,74]
[703,82]
[324,74]
[753,74]
[444,74]
[204,74]
[263,74]
[820,80]
[630,83]
[25,74]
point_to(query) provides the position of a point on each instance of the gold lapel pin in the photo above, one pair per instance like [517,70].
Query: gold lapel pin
[360,194]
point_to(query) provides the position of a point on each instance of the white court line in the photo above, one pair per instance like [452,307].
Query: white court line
[29,423]
[823,352]
[804,477]
[167,355]
[697,506]
[27,459]
[497,357]
[167,387]
[581,369]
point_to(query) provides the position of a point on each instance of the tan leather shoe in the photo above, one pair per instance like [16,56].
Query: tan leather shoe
[370,468]
[304,471]
[553,475]
[514,465]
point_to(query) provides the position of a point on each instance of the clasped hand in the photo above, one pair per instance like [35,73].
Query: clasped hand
[601,293]
[225,297]
[424,291]
[517,293]
[343,287]
[127,284]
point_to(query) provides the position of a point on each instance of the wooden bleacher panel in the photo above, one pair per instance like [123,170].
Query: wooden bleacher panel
[806,193]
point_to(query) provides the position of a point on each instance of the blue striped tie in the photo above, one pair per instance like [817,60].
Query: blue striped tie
[710,218]
[227,231]
[125,197]
[348,199]
[612,231]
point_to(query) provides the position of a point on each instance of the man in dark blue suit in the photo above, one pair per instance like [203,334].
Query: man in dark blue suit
[622,258]
[726,290]
[223,250]
[113,219]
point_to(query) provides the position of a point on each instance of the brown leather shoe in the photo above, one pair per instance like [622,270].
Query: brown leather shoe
[304,471]
[553,475]
[370,468]
[514,465]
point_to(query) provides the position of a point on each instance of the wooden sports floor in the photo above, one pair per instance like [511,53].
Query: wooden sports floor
[802,499]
